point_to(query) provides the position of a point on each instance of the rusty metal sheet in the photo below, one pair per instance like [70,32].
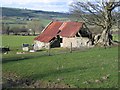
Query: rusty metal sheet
[50,32]
[69,29]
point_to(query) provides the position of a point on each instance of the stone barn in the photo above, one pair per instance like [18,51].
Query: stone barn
[75,33]
[63,34]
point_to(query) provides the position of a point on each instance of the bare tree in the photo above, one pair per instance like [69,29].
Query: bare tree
[97,13]
[5,28]
[35,25]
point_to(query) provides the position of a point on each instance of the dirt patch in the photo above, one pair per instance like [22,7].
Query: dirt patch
[11,80]
[29,83]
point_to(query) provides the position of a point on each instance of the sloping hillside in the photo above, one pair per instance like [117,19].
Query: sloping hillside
[31,13]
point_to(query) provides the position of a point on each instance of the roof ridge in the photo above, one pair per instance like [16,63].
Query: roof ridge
[62,26]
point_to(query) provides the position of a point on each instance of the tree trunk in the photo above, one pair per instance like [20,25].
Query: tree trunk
[106,36]
[105,39]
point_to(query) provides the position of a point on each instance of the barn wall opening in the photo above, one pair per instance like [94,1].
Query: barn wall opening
[84,32]
[55,42]
[61,40]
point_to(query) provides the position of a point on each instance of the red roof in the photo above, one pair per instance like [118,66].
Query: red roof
[69,29]
[50,32]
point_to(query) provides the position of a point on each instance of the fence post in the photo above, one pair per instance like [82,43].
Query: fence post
[71,47]
[49,50]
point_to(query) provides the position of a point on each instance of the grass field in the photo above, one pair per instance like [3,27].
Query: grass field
[16,41]
[92,68]
[77,69]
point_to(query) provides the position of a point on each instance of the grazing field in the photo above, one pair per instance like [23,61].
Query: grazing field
[15,42]
[91,68]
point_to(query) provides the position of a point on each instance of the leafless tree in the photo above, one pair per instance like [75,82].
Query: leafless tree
[97,12]
[36,26]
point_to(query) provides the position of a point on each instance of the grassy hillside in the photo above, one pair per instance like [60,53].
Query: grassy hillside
[95,68]
[15,12]
[91,68]
[30,13]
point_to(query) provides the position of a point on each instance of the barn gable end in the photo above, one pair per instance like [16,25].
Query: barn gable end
[48,36]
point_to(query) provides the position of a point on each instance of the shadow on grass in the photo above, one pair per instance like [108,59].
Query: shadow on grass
[57,72]
[36,55]
[27,81]
[25,57]
[19,58]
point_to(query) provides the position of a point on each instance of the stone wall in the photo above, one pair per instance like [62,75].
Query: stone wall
[40,45]
[77,42]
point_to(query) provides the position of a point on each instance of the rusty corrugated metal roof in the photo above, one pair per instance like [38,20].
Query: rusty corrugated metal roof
[69,29]
[50,32]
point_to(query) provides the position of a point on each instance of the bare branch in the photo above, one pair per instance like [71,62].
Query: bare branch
[82,7]
[98,10]
[115,5]
[95,13]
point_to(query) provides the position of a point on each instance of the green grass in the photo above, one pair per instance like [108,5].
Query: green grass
[116,37]
[73,69]
[16,41]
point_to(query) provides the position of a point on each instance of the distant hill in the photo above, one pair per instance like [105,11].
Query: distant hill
[9,12]
[15,12]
